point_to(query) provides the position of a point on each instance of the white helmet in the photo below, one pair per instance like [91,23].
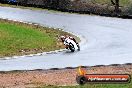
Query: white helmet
[62,38]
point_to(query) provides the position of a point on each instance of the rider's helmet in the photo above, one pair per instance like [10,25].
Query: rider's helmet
[62,38]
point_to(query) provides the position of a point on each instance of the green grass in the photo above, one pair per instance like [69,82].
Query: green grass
[102,86]
[128,85]
[19,38]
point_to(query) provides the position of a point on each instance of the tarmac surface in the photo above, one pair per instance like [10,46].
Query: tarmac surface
[105,40]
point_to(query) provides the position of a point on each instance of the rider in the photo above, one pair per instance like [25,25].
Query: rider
[63,38]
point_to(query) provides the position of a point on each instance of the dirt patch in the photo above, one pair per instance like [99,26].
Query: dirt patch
[55,77]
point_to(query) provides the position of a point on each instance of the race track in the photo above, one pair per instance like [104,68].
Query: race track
[105,40]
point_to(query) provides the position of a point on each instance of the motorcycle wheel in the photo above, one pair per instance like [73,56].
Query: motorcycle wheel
[81,80]
[71,47]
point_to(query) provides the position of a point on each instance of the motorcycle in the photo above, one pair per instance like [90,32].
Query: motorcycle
[71,45]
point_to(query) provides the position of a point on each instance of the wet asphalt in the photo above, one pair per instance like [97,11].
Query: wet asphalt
[105,40]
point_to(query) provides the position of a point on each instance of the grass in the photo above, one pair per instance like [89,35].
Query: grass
[127,85]
[103,86]
[19,38]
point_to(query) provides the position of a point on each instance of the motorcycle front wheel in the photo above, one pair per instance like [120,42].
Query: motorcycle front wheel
[71,47]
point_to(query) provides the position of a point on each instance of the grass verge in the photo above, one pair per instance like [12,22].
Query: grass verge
[19,38]
[127,85]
